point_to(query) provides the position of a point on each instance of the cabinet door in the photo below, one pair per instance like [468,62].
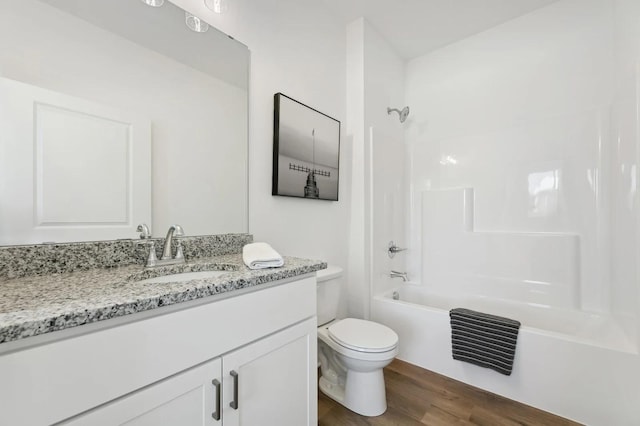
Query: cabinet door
[186,399]
[274,380]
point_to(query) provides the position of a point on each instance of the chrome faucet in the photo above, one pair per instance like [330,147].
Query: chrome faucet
[174,230]
[397,274]
[143,229]
[167,259]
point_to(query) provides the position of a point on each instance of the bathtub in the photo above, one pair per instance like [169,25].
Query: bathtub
[558,349]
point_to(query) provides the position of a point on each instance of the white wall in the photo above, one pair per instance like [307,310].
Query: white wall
[297,48]
[625,214]
[375,82]
[385,154]
[359,256]
[521,113]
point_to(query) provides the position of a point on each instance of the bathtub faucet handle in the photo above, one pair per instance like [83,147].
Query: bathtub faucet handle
[393,249]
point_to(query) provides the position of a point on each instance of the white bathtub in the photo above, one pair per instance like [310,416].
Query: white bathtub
[557,350]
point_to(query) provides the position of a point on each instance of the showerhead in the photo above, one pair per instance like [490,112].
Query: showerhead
[402,114]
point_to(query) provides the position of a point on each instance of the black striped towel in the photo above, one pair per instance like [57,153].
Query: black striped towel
[483,339]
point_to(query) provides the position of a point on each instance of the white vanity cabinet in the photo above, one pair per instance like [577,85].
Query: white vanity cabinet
[161,370]
[271,376]
[184,399]
[264,383]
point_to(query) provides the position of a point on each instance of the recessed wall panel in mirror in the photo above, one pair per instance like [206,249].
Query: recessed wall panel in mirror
[121,71]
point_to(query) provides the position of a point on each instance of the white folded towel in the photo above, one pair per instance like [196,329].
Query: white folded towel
[260,256]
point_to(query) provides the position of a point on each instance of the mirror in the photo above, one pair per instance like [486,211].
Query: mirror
[114,113]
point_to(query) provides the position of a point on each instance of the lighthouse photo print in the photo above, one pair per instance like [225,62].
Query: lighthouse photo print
[306,151]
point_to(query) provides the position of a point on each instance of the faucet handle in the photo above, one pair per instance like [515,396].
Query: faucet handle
[179,252]
[393,249]
[152,259]
[143,229]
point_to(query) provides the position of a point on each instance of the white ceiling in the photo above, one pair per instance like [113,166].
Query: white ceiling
[415,27]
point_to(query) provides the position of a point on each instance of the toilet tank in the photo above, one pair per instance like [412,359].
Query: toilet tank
[328,292]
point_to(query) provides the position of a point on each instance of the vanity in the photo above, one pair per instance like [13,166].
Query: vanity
[138,116]
[111,346]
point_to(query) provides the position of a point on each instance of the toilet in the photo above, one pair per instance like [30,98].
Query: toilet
[351,352]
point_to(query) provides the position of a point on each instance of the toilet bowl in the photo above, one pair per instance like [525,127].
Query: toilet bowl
[351,352]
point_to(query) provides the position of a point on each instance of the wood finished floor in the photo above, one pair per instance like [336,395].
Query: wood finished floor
[420,397]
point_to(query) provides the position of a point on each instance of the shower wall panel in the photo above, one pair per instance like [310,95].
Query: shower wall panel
[521,113]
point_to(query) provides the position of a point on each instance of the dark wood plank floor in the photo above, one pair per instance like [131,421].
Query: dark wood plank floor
[420,397]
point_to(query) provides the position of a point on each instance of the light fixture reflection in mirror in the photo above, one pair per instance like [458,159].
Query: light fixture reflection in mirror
[153,3]
[195,24]
[218,6]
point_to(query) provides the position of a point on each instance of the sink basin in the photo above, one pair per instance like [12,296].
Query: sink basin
[185,276]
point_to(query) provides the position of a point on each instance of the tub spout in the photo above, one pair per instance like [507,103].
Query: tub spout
[397,274]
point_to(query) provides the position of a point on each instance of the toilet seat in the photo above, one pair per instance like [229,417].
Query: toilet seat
[323,335]
[363,336]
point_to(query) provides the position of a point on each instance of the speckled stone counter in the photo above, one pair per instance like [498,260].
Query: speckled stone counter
[38,304]
[43,259]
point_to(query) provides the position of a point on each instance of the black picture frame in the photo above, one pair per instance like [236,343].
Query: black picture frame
[306,151]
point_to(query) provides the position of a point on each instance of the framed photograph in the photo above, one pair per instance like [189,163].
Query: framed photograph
[306,151]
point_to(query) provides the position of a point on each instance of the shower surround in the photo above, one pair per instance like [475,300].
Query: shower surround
[518,194]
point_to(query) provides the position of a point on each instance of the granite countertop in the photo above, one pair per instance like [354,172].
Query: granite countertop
[35,305]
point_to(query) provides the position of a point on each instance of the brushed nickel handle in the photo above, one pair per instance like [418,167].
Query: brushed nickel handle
[393,249]
[216,414]
[234,404]
[143,229]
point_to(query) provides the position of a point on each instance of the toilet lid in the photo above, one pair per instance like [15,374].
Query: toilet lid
[363,336]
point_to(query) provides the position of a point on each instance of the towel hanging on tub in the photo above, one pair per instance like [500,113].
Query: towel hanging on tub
[483,339]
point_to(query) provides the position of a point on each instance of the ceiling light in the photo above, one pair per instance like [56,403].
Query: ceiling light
[153,3]
[195,24]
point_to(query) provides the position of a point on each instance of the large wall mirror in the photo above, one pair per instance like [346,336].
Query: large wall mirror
[114,113]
